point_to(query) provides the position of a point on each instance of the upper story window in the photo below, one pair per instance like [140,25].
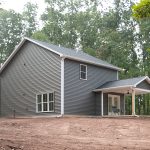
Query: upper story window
[45,102]
[83,72]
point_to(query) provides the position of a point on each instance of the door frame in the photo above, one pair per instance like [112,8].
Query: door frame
[113,95]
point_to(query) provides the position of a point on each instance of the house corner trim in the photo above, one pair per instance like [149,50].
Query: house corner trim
[62,85]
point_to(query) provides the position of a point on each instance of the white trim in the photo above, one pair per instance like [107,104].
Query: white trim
[124,99]
[36,104]
[111,88]
[42,111]
[49,102]
[82,71]
[97,64]
[102,106]
[133,102]
[19,46]
[42,103]
[117,75]
[60,54]
[145,78]
[62,86]
[143,90]
[12,55]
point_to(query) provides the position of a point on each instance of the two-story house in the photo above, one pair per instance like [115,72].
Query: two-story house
[40,78]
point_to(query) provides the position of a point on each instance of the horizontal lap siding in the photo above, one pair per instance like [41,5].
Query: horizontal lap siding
[105,103]
[33,70]
[78,95]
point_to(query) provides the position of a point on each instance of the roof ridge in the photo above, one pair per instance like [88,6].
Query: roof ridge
[64,52]
[72,49]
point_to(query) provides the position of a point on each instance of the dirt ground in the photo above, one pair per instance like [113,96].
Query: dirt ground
[74,133]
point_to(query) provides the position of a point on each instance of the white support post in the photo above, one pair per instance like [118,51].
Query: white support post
[133,102]
[102,112]
[62,86]
[117,75]
[124,104]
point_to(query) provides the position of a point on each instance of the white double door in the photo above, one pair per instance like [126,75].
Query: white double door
[113,104]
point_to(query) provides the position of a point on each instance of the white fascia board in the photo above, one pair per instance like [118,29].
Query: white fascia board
[60,54]
[97,64]
[12,55]
[113,88]
[19,46]
[144,78]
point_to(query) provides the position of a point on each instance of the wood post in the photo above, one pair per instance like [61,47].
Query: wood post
[133,102]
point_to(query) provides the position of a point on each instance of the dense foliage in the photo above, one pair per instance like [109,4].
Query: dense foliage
[111,34]
[142,9]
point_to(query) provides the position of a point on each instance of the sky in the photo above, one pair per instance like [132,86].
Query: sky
[18,5]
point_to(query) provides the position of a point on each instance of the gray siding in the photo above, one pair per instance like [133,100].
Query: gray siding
[98,103]
[144,85]
[79,98]
[33,70]
[0,96]
[105,103]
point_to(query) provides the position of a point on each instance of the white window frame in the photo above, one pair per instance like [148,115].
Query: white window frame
[82,71]
[45,102]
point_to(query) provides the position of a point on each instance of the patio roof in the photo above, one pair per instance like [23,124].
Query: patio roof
[141,85]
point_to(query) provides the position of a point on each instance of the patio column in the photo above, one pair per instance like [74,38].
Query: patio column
[133,102]
[101,103]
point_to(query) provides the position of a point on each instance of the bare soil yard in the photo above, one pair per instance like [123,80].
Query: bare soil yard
[73,133]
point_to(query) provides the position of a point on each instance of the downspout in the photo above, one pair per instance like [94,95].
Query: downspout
[62,85]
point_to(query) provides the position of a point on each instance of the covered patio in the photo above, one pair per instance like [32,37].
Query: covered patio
[118,88]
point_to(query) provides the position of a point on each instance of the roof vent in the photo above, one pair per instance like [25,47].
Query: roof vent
[77,50]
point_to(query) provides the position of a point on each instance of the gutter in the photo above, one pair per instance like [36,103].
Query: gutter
[89,62]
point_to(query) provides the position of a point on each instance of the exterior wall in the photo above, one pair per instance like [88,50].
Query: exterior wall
[33,70]
[78,95]
[0,95]
[105,103]
[98,103]
[144,85]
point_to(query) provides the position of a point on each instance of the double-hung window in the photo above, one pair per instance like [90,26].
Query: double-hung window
[83,72]
[45,102]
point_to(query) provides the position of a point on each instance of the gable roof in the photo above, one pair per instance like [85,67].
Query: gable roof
[132,82]
[63,52]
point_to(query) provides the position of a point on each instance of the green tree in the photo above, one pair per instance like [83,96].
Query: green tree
[29,17]
[10,32]
[142,9]
[40,35]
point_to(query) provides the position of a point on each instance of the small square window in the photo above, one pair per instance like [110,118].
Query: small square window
[83,72]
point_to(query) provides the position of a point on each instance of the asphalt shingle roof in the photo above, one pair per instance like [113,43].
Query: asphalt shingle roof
[121,83]
[77,54]
[73,54]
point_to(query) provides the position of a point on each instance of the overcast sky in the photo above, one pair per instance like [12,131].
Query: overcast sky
[18,5]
